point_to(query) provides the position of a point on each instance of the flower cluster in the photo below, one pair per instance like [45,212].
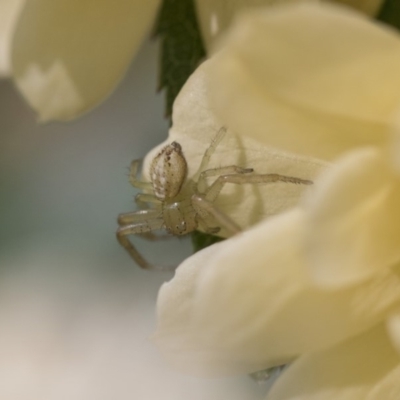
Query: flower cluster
[317,285]
[308,90]
[68,55]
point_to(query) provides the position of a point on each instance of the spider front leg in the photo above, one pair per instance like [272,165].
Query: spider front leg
[203,202]
[204,208]
[134,179]
[143,199]
[135,216]
[214,190]
[209,152]
[232,169]
[138,216]
[139,222]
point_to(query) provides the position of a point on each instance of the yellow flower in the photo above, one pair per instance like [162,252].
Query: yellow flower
[68,55]
[319,283]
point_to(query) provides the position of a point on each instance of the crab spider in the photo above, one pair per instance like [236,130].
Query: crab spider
[181,205]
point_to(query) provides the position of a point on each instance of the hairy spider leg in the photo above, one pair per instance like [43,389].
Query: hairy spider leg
[136,216]
[202,223]
[214,190]
[135,228]
[204,202]
[134,179]
[204,207]
[144,201]
[209,152]
[231,169]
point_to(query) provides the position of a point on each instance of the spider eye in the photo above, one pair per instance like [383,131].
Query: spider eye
[181,227]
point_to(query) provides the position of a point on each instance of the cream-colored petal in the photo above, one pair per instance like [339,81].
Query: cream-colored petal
[176,298]
[353,370]
[388,388]
[393,324]
[394,144]
[370,7]
[194,127]
[353,229]
[248,303]
[9,12]
[215,16]
[76,50]
[311,79]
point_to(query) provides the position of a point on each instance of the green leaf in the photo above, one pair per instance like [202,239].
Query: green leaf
[182,50]
[202,240]
[390,13]
[181,46]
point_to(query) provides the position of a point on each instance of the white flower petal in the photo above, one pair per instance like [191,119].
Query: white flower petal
[248,303]
[76,50]
[52,92]
[394,329]
[194,127]
[215,16]
[388,388]
[9,12]
[394,144]
[370,7]
[354,219]
[350,371]
[176,299]
[312,79]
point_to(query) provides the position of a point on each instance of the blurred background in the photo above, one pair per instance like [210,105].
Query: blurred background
[76,314]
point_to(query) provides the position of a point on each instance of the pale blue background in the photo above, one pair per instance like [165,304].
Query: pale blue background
[75,312]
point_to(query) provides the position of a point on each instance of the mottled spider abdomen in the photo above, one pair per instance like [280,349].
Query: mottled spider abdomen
[168,171]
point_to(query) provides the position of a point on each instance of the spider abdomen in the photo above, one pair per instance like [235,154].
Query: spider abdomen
[168,171]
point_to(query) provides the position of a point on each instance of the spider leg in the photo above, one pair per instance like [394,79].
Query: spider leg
[204,207]
[134,179]
[137,228]
[231,169]
[141,199]
[214,190]
[212,230]
[138,216]
[209,152]
[142,215]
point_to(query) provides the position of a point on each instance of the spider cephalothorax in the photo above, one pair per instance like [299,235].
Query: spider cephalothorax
[181,205]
